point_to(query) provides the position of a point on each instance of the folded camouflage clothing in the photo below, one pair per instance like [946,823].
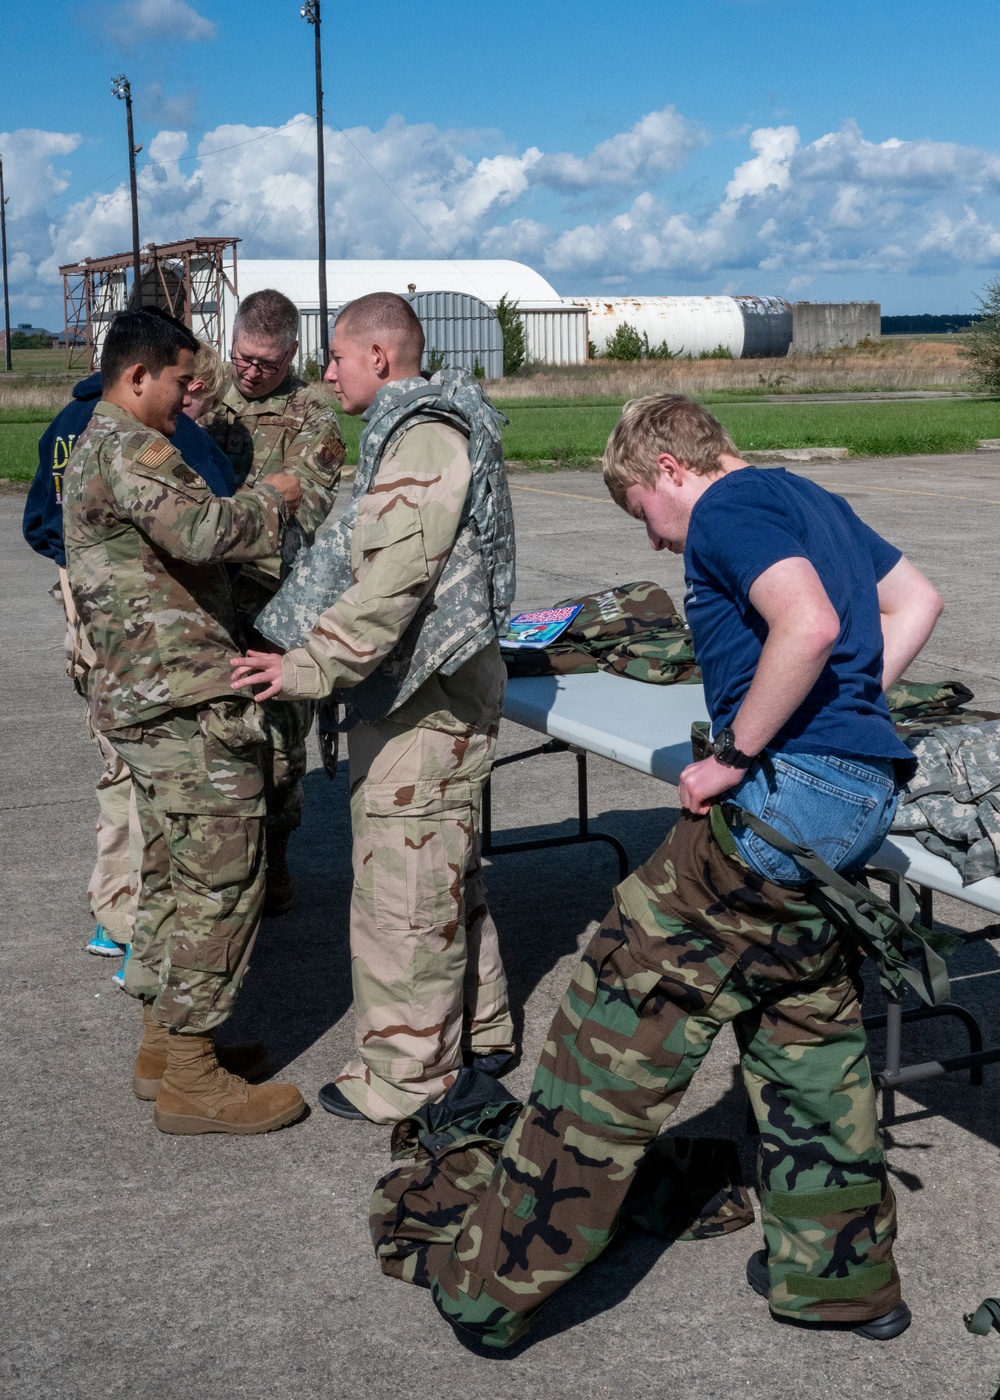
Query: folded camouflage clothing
[634,631]
[952,805]
[918,707]
[684,1189]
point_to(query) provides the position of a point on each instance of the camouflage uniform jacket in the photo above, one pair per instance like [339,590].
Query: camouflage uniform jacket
[145,545]
[405,529]
[294,429]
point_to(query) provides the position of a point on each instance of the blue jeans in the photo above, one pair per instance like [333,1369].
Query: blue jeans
[841,808]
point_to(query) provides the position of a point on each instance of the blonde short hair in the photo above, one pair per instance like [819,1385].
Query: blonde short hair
[209,367]
[662,423]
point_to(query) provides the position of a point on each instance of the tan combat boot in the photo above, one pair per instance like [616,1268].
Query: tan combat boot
[249,1060]
[198,1096]
[279,892]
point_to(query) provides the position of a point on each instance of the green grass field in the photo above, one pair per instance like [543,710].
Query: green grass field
[574,433]
[571,434]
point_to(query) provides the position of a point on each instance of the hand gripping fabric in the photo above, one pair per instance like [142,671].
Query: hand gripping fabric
[471,603]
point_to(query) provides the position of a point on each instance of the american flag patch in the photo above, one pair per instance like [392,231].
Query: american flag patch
[155,454]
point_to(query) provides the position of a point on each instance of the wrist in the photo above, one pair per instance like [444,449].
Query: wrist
[727,752]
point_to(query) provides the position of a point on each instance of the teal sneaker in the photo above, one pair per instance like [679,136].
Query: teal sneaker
[119,977]
[103,944]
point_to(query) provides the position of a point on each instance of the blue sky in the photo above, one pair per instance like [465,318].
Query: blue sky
[817,150]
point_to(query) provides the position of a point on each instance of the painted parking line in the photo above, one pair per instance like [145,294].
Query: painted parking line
[570,495]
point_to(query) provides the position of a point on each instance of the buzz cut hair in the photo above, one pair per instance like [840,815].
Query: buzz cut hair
[381,314]
[268,315]
[661,423]
[148,337]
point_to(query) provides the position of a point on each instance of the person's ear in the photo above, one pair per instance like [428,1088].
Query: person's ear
[380,360]
[671,468]
[137,378]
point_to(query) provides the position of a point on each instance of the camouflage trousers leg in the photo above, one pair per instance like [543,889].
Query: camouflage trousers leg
[199,794]
[641,1012]
[425,962]
[286,727]
[114,883]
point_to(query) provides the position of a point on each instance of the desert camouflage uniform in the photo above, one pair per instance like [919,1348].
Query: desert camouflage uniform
[114,881]
[294,429]
[145,541]
[425,963]
[695,941]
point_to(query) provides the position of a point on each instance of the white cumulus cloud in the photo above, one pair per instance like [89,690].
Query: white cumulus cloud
[131,23]
[791,213]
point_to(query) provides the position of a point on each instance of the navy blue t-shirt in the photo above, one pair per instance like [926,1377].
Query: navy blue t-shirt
[747,521]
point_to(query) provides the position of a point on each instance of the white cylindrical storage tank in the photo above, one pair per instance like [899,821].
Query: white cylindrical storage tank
[688,325]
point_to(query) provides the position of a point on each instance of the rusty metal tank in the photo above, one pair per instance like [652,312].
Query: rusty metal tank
[745,326]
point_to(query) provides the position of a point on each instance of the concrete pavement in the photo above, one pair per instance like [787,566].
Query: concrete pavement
[140,1265]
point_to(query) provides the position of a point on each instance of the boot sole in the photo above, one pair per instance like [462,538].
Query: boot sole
[188,1124]
[145,1089]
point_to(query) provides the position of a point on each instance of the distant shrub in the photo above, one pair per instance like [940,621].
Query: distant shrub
[311,370]
[435,361]
[982,344]
[20,341]
[477,370]
[514,346]
[625,344]
[658,352]
[719,353]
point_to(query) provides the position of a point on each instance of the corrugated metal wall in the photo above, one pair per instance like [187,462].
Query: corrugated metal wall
[461,329]
[555,335]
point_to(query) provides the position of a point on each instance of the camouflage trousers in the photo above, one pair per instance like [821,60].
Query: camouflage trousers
[199,794]
[286,728]
[695,941]
[425,962]
[114,882]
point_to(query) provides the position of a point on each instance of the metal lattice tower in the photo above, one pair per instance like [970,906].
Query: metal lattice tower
[186,278]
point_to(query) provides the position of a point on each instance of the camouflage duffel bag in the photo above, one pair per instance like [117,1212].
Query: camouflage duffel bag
[685,1188]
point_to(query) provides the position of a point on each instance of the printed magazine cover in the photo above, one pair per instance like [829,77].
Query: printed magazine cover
[534,630]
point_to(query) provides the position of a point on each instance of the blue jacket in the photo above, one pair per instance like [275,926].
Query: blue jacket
[42,524]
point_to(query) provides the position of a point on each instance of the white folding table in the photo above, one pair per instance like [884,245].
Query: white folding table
[648,728]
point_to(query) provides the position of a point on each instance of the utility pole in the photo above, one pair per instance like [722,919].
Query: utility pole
[310,13]
[122,89]
[6,286]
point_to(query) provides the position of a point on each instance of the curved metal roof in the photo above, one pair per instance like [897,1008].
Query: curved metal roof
[488,278]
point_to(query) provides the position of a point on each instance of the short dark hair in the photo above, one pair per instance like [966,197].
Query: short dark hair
[268,314]
[378,312]
[149,337]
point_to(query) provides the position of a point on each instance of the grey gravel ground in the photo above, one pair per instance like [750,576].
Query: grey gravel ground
[140,1265]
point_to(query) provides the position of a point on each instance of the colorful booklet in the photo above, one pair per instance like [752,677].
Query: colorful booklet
[534,630]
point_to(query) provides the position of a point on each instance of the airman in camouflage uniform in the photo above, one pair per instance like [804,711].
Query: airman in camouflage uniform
[146,542]
[428,980]
[289,427]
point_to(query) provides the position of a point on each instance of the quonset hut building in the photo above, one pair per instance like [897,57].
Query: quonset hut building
[455,299]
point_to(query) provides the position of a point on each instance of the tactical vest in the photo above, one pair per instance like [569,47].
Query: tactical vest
[471,603]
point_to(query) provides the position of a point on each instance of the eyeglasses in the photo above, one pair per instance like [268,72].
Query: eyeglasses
[244,362]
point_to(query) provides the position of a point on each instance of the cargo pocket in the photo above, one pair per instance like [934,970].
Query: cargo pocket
[607,1039]
[233,733]
[215,870]
[421,840]
[400,527]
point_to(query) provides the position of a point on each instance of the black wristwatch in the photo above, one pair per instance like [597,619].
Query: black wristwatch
[727,753]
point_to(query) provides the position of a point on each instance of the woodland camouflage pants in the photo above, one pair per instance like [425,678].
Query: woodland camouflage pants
[695,941]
